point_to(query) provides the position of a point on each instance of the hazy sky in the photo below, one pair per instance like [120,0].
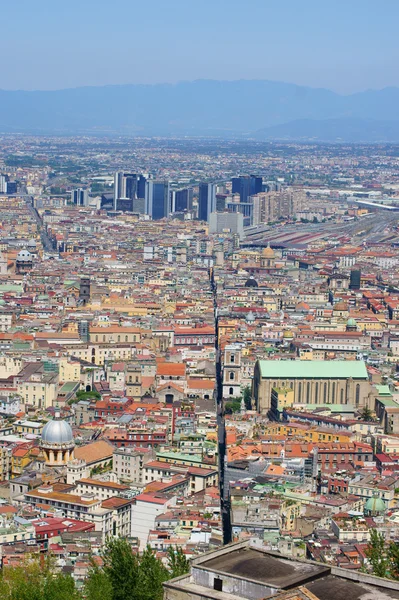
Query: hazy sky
[346,45]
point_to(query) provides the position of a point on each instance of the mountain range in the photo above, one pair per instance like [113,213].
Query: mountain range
[264,110]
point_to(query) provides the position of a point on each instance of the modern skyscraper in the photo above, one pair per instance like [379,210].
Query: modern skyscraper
[157,201]
[182,200]
[246,185]
[80,197]
[129,189]
[3,184]
[141,181]
[118,187]
[11,187]
[130,186]
[206,200]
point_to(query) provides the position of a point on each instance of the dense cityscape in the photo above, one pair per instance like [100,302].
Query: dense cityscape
[199,346]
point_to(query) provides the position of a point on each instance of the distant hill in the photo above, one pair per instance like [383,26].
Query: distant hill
[204,107]
[333,130]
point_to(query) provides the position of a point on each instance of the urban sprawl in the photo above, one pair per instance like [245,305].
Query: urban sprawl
[199,345]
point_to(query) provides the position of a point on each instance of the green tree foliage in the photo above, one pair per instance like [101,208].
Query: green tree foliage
[376,554]
[177,562]
[121,567]
[232,407]
[123,576]
[97,585]
[247,395]
[152,574]
[366,414]
[134,576]
[36,580]
[393,557]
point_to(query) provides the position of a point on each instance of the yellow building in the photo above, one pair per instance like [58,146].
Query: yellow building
[39,391]
[69,370]
[114,334]
[306,432]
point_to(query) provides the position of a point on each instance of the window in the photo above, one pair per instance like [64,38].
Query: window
[300,392]
[308,391]
[231,376]
[232,358]
[357,397]
[231,391]
[316,394]
[341,396]
[218,584]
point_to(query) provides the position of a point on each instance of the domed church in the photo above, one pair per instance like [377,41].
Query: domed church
[57,442]
[23,262]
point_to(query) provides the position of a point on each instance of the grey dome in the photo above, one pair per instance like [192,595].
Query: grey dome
[32,243]
[57,432]
[24,255]
[251,282]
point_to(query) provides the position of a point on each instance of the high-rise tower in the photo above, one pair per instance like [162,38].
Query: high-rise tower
[206,200]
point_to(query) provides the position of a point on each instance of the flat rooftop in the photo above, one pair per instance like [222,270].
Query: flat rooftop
[262,567]
[338,588]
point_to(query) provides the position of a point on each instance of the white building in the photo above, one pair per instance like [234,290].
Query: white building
[144,512]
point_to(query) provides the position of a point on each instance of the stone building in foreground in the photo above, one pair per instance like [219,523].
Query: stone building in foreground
[242,571]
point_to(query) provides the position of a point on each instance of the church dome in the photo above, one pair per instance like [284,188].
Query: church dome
[24,256]
[351,323]
[374,505]
[57,432]
[268,252]
[340,306]
[32,243]
[251,282]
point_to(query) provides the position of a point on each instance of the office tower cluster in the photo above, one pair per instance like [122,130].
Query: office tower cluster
[248,196]
[129,192]
[153,197]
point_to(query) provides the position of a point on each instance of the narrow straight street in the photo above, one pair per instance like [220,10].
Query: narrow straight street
[47,245]
[224,492]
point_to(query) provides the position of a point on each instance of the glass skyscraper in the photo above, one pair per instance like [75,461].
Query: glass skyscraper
[246,185]
[206,200]
[157,201]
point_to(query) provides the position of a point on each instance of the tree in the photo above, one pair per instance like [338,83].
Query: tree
[97,585]
[393,556]
[121,567]
[366,414]
[36,580]
[375,552]
[177,562]
[152,574]
[232,407]
[247,395]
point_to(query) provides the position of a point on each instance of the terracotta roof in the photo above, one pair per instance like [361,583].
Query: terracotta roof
[171,369]
[201,384]
[95,451]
